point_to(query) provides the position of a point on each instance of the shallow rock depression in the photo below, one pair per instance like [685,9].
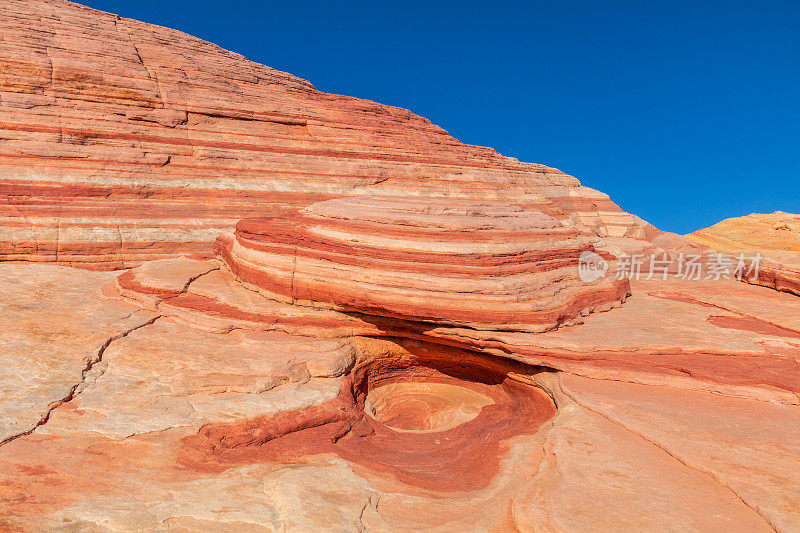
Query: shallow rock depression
[430,416]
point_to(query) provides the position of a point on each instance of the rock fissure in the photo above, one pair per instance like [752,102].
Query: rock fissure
[75,390]
[776,329]
[708,473]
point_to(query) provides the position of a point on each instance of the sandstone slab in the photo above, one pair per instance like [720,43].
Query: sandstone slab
[133,442]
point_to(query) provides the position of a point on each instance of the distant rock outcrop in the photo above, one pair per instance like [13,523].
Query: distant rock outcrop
[776,236]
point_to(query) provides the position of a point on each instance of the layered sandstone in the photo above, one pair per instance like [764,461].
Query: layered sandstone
[775,236]
[718,332]
[124,142]
[487,266]
[421,411]
[395,337]
[206,405]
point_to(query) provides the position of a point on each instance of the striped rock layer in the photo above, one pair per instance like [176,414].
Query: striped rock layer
[776,236]
[633,418]
[488,266]
[122,142]
[724,333]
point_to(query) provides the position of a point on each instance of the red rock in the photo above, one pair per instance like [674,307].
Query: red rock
[397,337]
[125,142]
[487,266]
[212,429]
[456,456]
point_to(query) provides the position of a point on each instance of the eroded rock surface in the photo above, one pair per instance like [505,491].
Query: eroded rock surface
[366,363]
[776,236]
[231,409]
[124,142]
[486,266]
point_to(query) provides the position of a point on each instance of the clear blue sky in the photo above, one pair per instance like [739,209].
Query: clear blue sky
[684,112]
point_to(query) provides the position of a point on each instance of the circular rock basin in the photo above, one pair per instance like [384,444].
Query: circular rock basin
[424,407]
[433,417]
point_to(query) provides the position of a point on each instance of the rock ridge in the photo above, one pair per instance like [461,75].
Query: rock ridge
[486,266]
[125,142]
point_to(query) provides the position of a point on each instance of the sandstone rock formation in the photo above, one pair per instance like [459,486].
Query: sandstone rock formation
[776,236]
[487,266]
[124,142]
[394,337]
[230,404]
[196,403]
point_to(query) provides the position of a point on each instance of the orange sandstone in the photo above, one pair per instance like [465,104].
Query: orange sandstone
[124,142]
[775,236]
[394,337]
[487,266]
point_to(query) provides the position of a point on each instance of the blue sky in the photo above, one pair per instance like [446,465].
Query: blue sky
[684,112]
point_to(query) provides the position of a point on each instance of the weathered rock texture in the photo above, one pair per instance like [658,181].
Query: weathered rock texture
[123,142]
[776,236]
[205,405]
[367,363]
[487,266]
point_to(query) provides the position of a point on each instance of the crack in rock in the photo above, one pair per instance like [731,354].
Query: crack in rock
[714,477]
[75,389]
